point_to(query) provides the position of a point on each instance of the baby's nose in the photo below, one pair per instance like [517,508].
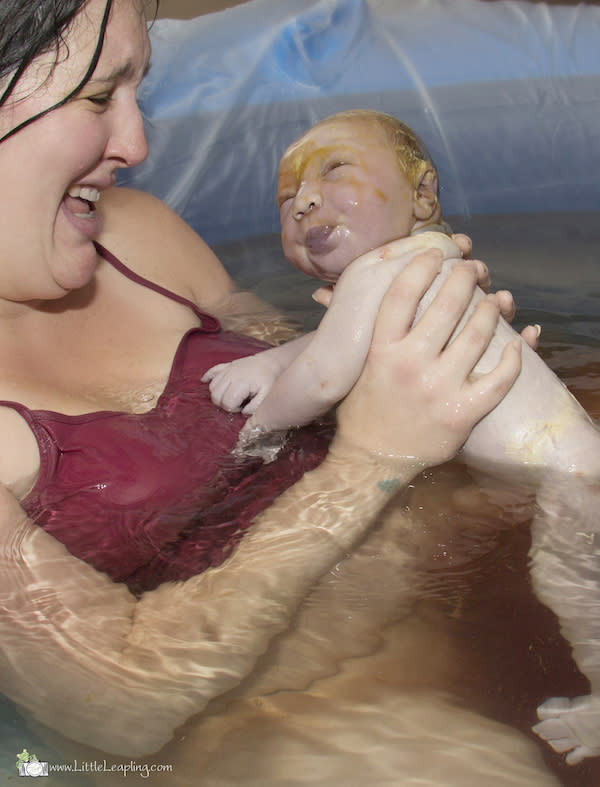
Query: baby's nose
[308,198]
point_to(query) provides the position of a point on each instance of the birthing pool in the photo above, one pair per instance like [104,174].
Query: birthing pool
[437,682]
[467,635]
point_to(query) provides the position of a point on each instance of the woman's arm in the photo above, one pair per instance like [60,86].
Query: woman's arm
[78,649]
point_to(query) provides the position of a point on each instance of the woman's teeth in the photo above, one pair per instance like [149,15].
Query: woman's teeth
[87,193]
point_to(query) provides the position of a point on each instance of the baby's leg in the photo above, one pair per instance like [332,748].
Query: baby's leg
[565,568]
[539,425]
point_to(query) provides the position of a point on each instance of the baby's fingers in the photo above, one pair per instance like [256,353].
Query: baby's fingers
[236,395]
[218,387]
[252,406]
[222,390]
[212,372]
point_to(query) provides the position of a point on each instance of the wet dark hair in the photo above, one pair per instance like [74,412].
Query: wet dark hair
[30,28]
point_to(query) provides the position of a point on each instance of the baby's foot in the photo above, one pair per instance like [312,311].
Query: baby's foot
[571,726]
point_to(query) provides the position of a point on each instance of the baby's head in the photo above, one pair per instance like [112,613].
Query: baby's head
[353,182]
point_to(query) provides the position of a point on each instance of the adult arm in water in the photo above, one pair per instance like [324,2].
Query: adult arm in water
[78,649]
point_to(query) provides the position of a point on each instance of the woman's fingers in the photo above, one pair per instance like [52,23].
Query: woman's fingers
[507,304]
[484,280]
[417,396]
[486,392]
[323,295]
[401,300]
[465,350]
[441,318]
[464,243]
[531,335]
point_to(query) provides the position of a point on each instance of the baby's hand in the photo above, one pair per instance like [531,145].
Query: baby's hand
[242,384]
[571,726]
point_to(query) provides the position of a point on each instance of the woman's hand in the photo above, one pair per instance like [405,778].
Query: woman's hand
[414,398]
[531,333]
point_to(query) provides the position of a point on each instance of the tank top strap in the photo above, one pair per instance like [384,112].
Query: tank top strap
[209,323]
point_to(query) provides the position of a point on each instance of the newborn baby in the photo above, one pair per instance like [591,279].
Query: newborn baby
[358,198]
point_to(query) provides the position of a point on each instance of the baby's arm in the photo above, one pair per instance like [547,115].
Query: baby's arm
[327,366]
[243,384]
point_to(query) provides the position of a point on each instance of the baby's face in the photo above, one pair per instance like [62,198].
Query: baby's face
[341,192]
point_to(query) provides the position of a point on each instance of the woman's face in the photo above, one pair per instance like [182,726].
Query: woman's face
[341,192]
[54,170]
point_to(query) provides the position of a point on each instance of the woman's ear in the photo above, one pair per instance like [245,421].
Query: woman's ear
[426,196]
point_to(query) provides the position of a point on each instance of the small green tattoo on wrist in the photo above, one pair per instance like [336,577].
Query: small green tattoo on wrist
[389,486]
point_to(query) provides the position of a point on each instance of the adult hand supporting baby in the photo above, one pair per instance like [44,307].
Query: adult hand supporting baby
[414,397]
[530,334]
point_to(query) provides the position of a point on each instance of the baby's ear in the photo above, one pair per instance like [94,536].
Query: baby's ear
[426,196]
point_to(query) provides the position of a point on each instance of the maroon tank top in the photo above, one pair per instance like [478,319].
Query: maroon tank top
[158,496]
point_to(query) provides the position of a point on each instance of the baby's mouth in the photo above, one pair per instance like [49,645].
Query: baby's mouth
[80,200]
[317,239]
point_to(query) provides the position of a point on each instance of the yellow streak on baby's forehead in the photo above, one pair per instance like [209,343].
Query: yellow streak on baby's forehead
[301,154]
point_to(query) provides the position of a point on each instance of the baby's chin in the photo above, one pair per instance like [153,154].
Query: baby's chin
[328,265]
[327,268]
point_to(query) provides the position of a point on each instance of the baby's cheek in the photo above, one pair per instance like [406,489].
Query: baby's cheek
[287,243]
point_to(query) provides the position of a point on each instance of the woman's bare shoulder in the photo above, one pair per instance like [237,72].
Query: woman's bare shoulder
[150,238]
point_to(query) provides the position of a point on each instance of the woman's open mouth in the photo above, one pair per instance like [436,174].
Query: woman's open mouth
[81,200]
[79,206]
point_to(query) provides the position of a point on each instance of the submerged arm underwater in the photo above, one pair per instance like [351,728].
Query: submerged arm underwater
[78,648]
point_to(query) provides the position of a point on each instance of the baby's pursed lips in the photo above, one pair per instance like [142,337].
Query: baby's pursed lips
[317,238]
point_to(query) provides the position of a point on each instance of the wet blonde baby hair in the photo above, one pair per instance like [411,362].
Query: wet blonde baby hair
[411,153]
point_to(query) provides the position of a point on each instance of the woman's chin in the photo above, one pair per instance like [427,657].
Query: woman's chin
[75,270]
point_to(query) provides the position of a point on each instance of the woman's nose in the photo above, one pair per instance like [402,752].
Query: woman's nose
[308,198]
[128,143]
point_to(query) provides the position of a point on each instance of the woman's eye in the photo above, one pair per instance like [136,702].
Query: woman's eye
[100,101]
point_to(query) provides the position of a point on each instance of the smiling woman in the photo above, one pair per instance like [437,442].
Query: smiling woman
[97,130]
[144,570]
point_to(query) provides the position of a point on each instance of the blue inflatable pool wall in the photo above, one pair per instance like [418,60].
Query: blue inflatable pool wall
[506,96]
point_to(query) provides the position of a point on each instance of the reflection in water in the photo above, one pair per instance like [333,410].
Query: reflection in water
[372,678]
[422,658]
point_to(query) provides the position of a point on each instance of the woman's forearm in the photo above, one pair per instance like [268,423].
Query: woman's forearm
[78,648]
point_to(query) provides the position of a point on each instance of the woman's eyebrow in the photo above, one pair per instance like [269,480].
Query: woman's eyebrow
[125,71]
